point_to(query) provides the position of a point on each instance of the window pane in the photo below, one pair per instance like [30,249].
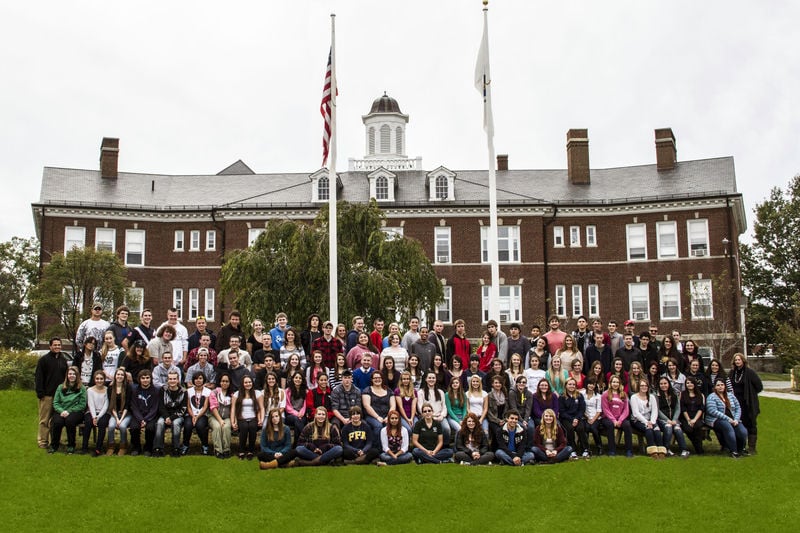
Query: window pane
[442,236]
[637,247]
[639,301]
[667,239]
[134,247]
[670,299]
[702,299]
[209,308]
[105,239]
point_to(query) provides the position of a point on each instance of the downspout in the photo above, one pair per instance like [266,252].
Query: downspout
[222,241]
[546,265]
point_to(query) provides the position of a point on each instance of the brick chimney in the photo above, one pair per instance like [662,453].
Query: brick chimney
[666,150]
[109,154]
[502,161]
[578,156]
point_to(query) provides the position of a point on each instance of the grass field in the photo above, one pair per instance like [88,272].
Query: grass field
[59,493]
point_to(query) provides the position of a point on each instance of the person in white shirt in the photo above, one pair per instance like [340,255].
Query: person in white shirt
[93,326]
[180,344]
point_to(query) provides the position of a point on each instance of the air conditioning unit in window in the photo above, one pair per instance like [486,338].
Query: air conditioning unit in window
[443,259]
[505,317]
[700,252]
[640,316]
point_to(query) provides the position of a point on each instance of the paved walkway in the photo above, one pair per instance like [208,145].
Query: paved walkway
[779,389]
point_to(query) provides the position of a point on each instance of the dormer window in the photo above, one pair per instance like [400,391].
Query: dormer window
[320,186]
[441,185]
[381,185]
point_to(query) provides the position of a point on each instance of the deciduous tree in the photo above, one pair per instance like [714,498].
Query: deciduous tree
[18,272]
[287,269]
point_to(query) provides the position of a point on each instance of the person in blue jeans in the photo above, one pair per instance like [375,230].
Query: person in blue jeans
[512,441]
[320,442]
[724,414]
[550,442]
[428,439]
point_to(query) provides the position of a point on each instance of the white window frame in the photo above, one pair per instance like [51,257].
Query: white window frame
[194,304]
[211,240]
[74,237]
[177,301]
[393,232]
[323,189]
[669,290]
[442,187]
[180,241]
[135,238]
[701,291]
[441,245]
[194,240]
[593,292]
[444,310]
[591,235]
[252,235]
[209,304]
[577,301]
[698,247]
[630,231]
[575,236]
[639,293]
[105,235]
[511,240]
[561,301]
[509,306]
[129,299]
[663,232]
[558,236]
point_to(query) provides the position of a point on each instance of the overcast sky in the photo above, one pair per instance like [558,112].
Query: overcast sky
[190,87]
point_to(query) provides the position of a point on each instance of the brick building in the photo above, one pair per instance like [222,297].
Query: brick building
[653,242]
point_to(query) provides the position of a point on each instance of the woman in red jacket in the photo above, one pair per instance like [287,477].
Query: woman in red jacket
[487,351]
[320,396]
[615,416]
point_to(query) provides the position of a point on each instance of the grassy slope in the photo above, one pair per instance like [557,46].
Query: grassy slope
[41,491]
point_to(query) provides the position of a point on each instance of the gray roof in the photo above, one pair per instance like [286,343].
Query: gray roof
[701,178]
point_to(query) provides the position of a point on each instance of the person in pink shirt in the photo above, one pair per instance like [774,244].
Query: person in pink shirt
[615,416]
[555,337]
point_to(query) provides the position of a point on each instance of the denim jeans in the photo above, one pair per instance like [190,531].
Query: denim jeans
[161,429]
[325,458]
[507,459]
[651,435]
[402,459]
[122,427]
[734,438]
[442,455]
[669,430]
[562,456]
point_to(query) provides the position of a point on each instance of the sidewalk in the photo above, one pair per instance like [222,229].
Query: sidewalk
[779,389]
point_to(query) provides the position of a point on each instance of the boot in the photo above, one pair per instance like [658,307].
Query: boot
[110,450]
[305,462]
[361,460]
[317,461]
[751,443]
[662,452]
[268,465]
[123,450]
[652,451]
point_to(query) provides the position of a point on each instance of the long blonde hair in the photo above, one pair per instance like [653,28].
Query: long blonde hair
[549,431]
[325,431]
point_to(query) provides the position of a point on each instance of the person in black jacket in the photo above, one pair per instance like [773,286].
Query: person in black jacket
[144,414]
[512,441]
[358,441]
[472,444]
[50,372]
[172,408]
[88,361]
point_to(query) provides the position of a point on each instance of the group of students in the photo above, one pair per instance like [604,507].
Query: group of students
[398,413]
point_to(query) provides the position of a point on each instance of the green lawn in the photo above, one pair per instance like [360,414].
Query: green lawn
[58,493]
[769,376]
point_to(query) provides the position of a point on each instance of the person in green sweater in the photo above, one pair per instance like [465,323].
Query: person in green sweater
[457,406]
[69,404]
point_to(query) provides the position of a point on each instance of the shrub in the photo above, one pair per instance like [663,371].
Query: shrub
[17,369]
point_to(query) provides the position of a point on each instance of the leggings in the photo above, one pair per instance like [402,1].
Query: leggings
[248,429]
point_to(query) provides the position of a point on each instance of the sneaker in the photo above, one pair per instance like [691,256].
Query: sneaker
[83,451]
[205,450]
[51,450]
[629,455]
[611,454]
[585,454]
[220,455]
[685,453]
[176,453]
[70,450]
[464,463]
[670,453]
[573,456]
[150,454]
[134,453]
[380,463]
[745,452]
[735,455]
[97,453]
[184,450]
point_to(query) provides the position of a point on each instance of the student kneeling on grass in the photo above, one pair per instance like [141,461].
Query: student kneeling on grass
[550,442]
[428,440]
[512,441]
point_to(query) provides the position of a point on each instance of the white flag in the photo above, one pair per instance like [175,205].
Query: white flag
[483,78]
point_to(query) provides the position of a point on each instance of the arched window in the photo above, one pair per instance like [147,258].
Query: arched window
[399,139]
[442,188]
[385,139]
[382,188]
[323,189]
[371,140]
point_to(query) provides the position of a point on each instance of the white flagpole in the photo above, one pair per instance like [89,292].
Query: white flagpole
[333,268]
[483,82]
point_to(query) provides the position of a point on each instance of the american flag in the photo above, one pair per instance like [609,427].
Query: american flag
[325,110]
